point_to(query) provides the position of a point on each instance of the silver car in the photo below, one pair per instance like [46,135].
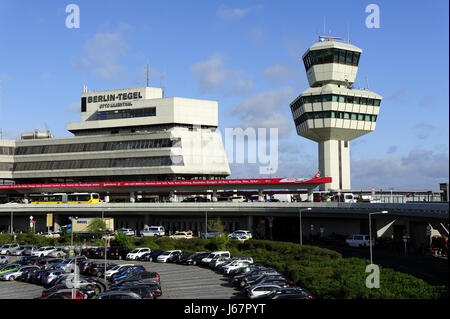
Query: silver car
[57,252]
[22,250]
[14,274]
[4,260]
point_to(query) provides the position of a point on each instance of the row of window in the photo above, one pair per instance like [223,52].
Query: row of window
[335,98]
[98,146]
[332,55]
[100,163]
[5,150]
[335,115]
[123,114]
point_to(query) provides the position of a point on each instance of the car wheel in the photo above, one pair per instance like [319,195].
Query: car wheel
[11,278]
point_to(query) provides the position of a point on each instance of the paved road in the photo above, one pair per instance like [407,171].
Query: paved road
[177,282]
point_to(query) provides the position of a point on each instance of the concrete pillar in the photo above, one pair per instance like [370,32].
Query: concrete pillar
[334,162]
[171,196]
[250,223]
[146,220]
[310,195]
[132,197]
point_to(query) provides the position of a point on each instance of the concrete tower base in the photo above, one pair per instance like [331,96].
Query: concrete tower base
[334,162]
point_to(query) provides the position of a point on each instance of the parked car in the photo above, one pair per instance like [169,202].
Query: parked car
[147,291]
[66,293]
[117,269]
[181,235]
[241,234]
[166,255]
[14,273]
[43,251]
[138,277]
[235,264]
[8,268]
[358,240]
[152,256]
[252,276]
[206,260]
[118,294]
[138,252]
[4,260]
[181,258]
[58,287]
[49,277]
[261,290]
[287,293]
[22,250]
[8,248]
[52,234]
[156,231]
[68,264]
[266,279]
[219,260]
[174,257]
[48,263]
[57,252]
[26,270]
[126,273]
[117,253]
[127,231]
[195,259]
[98,269]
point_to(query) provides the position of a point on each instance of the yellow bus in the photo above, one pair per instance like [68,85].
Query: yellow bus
[60,198]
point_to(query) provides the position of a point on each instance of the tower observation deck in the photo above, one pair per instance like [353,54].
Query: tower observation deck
[331,112]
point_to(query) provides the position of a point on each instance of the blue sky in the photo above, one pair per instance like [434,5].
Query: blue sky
[245,55]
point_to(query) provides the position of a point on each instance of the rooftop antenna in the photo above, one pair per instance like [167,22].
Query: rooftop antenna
[161,83]
[348,32]
[367,83]
[147,74]
[359,86]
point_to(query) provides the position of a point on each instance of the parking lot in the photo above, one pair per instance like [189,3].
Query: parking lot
[177,282]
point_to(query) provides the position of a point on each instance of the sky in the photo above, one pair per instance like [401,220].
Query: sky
[247,56]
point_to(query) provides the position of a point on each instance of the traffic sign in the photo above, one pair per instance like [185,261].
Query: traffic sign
[49,220]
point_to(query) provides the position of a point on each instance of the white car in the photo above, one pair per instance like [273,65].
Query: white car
[127,231]
[358,240]
[57,252]
[241,234]
[52,235]
[115,269]
[43,251]
[214,254]
[260,290]
[181,235]
[8,248]
[236,264]
[138,252]
[165,255]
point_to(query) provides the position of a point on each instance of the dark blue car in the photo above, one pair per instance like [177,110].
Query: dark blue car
[125,273]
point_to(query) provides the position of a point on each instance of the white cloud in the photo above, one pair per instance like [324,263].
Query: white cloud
[264,110]
[229,14]
[102,53]
[279,74]
[214,77]
[419,169]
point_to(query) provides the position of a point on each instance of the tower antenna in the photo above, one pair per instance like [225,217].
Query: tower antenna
[147,75]
[367,83]
[348,32]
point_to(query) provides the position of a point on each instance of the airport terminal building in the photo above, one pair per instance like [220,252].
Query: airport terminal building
[124,135]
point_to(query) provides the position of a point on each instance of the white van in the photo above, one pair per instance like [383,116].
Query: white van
[358,240]
[346,198]
[214,254]
[153,231]
[236,199]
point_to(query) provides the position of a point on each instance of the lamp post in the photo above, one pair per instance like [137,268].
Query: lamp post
[370,231]
[75,259]
[300,224]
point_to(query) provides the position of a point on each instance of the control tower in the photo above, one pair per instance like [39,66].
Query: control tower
[332,112]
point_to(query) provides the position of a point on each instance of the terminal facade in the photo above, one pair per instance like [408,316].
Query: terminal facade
[124,135]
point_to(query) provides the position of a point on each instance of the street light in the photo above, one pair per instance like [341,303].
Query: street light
[300,224]
[370,231]
[75,259]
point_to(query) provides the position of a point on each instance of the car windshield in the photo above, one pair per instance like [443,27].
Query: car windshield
[165,253]
[115,267]
[134,251]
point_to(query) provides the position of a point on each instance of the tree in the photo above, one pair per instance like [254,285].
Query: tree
[96,227]
[215,225]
